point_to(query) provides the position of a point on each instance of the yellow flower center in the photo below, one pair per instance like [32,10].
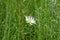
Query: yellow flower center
[29,21]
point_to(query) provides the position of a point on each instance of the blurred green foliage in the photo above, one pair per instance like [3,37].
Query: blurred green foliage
[14,27]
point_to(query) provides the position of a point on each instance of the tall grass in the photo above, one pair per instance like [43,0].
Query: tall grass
[13,25]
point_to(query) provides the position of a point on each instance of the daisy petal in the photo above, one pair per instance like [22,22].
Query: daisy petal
[30,20]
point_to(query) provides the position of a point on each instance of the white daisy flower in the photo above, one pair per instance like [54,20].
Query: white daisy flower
[30,20]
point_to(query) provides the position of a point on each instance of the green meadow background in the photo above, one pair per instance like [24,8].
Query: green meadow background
[13,25]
